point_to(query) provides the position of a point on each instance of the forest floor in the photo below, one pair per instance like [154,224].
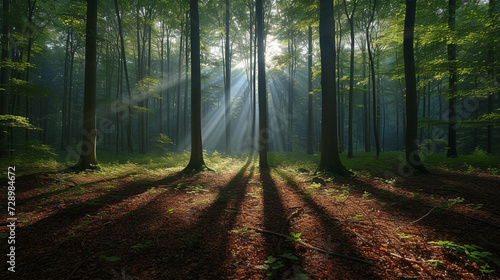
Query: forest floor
[239,222]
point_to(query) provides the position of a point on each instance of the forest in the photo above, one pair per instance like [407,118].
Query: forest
[250,139]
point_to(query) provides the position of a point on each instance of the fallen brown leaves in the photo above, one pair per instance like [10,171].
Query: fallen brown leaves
[242,226]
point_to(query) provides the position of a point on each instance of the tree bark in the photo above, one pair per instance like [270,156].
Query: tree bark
[263,130]
[196,162]
[351,79]
[227,83]
[413,160]
[310,149]
[491,78]
[178,101]
[330,160]
[124,60]
[88,157]
[452,83]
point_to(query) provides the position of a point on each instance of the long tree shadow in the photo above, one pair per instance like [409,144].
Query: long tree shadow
[474,188]
[443,219]
[193,247]
[343,267]
[275,220]
[50,233]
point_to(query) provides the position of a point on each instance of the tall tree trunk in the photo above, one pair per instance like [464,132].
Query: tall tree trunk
[178,101]
[310,149]
[196,162]
[162,77]
[452,57]
[227,83]
[263,130]
[365,106]
[88,157]
[64,111]
[374,91]
[124,60]
[491,79]
[184,132]
[291,78]
[351,78]
[413,160]
[330,160]
[340,105]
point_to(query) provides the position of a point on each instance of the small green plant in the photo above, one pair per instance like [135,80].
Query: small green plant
[435,262]
[355,217]
[239,230]
[294,236]
[405,236]
[473,253]
[142,246]
[289,256]
[366,195]
[171,210]
[93,202]
[163,142]
[390,181]
[475,206]
[271,263]
[252,195]
[102,213]
[109,259]
[339,194]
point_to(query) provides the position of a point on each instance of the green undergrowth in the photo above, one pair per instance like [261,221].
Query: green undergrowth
[41,158]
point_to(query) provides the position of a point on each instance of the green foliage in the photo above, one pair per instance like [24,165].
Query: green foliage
[492,118]
[7,121]
[163,142]
[28,89]
[339,194]
[294,236]
[474,253]
[142,246]
[109,259]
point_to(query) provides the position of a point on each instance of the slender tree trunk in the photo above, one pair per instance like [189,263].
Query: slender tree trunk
[365,107]
[250,83]
[413,160]
[340,105]
[491,78]
[169,82]
[88,157]
[452,57]
[184,133]
[227,83]
[162,76]
[178,101]
[64,111]
[124,60]
[374,93]
[291,78]
[310,149]
[196,162]
[351,78]
[330,160]
[70,90]
[263,130]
